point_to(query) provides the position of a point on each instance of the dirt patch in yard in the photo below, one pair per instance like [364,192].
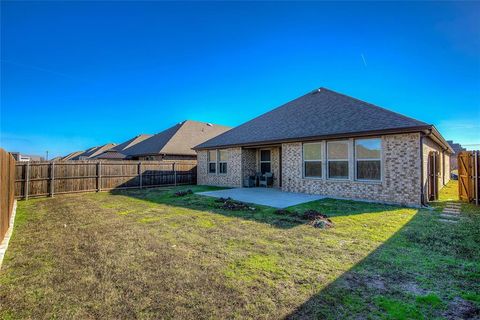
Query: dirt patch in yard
[183,193]
[233,205]
[314,218]
[460,309]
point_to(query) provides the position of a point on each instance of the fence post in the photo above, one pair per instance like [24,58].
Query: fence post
[52,178]
[140,175]
[99,181]
[27,179]
[174,174]
[475,172]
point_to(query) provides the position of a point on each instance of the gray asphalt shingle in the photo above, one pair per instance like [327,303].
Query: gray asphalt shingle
[177,140]
[322,112]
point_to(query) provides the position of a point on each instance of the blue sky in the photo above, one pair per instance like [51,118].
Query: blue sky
[79,74]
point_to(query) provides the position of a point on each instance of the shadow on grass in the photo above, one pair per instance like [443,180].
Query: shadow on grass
[258,213]
[427,269]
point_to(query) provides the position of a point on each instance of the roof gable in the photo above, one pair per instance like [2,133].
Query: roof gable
[94,151]
[319,113]
[177,140]
[131,142]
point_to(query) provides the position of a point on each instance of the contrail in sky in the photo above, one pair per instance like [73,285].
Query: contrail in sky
[39,69]
[363,58]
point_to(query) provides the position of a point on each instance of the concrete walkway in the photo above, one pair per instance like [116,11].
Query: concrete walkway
[451,213]
[264,196]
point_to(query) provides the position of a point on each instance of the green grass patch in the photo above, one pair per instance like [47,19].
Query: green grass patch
[150,254]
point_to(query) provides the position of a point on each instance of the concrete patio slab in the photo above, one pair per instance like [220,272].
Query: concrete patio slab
[267,197]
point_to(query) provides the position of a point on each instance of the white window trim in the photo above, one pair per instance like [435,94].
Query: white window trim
[209,161]
[369,159]
[219,162]
[260,159]
[347,143]
[322,156]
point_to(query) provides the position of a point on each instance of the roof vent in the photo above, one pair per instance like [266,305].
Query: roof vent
[209,124]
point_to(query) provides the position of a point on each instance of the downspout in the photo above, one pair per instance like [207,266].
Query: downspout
[443,167]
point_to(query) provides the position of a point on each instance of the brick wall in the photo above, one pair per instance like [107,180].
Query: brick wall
[249,162]
[233,177]
[276,166]
[400,173]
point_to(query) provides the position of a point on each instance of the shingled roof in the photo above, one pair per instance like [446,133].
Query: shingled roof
[178,140]
[72,155]
[130,143]
[321,113]
[122,150]
[94,151]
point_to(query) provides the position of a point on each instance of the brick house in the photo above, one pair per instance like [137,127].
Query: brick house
[331,144]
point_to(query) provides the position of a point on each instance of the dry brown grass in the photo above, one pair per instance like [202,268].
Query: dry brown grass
[148,254]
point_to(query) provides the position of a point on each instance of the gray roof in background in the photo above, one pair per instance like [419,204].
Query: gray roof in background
[72,155]
[110,154]
[457,147]
[319,113]
[121,151]
[92,152]
[130,143]
[178,140]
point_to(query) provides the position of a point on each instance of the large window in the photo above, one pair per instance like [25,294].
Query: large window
[312,160]
[222,161]
[368,161]
[212,161]
[337,159]
[265,161]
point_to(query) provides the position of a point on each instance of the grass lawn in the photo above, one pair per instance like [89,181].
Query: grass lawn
[148,254]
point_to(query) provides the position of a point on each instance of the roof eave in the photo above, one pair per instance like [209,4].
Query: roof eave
[322,137]
[439,139]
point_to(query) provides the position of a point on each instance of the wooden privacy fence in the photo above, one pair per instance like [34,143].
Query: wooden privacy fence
[7,190]
[36,179]
[468,175]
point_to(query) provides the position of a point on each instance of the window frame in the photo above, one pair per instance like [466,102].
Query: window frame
[260,159]
[209,161]
[322,154]
[355,160]
[347,143]
[222,162]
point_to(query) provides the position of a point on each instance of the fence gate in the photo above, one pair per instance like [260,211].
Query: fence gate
[468,175]
[433,175]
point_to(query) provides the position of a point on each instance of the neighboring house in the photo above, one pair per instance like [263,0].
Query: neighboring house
[457,148]
[122,151]
[72,155]
[24,157]
[176,143]
[91,153]
[331,144]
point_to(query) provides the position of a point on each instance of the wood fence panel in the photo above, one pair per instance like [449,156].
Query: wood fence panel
[87,176]
[7,190]
[468,176]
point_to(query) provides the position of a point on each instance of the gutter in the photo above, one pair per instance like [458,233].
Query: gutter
[323,137]
[437,137]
